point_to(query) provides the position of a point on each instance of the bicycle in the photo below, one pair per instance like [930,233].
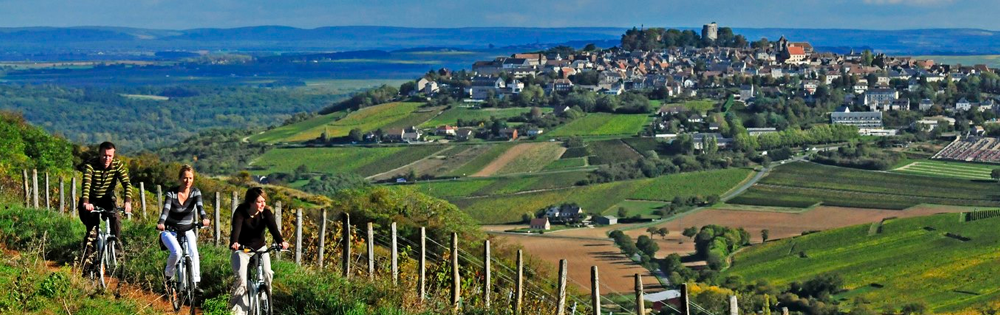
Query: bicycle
[182,287]
[105,249]
[257,291]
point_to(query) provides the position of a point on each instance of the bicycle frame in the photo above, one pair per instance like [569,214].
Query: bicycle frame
[255,286]
[104,249]
[183,281]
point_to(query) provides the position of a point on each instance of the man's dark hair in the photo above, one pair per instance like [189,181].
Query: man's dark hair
[106,145]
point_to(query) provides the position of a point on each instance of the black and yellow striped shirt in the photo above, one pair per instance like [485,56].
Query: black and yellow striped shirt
[98,181]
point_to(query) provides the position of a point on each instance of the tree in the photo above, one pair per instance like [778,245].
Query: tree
[355,135]
[764,234]
[652,231]
[622,213]
[526,217]
[647,245]
[590,47]
[867,58]
[663,232]
[995,174]
[690,232]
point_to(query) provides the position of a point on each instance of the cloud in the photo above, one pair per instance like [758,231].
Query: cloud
[909,2]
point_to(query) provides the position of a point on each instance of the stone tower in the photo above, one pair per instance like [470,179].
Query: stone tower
[710,31]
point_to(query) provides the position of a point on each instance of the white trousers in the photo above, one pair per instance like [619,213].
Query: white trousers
[170,239]
[239,261]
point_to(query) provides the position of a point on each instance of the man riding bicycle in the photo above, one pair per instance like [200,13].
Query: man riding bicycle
[179,206]
[100,176]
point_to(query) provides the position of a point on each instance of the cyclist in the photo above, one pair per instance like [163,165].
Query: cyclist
[250,219]
[179,206]
[100,176]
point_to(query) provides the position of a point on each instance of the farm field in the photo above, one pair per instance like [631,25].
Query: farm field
[779,224]
[602,124]
[599,197]
[480,161]
[892,265]
[451,116]
[500,185]
[365,161]
[522,158]
[569,163]
[643,144]
[616,271]
[949,169]
[610,151]
[641,208]
[701,106]
[805,184]
[366,119]
[436,163]
[993,61]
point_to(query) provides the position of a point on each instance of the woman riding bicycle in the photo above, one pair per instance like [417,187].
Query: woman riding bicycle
[179,206]
[250,219]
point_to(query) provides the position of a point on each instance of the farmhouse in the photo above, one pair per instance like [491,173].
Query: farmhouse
[465,134]
[508,133]
[605,220]
[446,130]
[564,213]
[540,224]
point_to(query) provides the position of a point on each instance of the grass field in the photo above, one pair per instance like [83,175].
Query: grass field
[365,161]
[597,198]
[533,159]
[804,184]
[641,208]
[451,116]
[948,169]
[366,119]
[611,151]
[480,161]
[569,163]
[602,124]
[701,106]
[993,61]
[500,185]
[892,266]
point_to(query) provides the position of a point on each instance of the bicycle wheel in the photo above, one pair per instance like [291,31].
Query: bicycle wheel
[173,292]
[112,257]
[102,260]
[190,283]
[252,302]
[264,301]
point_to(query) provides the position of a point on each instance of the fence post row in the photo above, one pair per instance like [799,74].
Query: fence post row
[159,198]
[72,193]
[519,287]
[486,266]
[595,293]
[48,203]
[217,236]
[34,187]
[640,306]
[345,267]
[235,202]
[685,300]
[371,252]
[27,191]
[734,308]
[298,236]
[277,220]
[561,304]
[395,256]
[142,200]
[322,238]
[422,280]
[456,282]
[62,195]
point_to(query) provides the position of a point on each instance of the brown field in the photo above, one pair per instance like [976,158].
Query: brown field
[439,163]
[780,224]
[617,272]
[505,159]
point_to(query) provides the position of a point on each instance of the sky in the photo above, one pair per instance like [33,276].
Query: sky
[187,14]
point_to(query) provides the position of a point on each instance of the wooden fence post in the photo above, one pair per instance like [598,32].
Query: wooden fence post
[345,261]
[235,202]
[519,283]
[62,195]
[561,304]
[395,255]
[685,300]
[48,202]
[322,238]
[277,221]
[218,217]
[595,291]
[640,305]
[72,194]
[784,310]
[34,188]
[298,237]
[142,200]
[486,266]
[371,252]
[422,280]
[456,281]
[27,190]
[734,308]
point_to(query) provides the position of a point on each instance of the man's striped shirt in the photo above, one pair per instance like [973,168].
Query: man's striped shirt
[98,181]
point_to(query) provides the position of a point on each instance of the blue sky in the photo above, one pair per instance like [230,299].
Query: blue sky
[184,14]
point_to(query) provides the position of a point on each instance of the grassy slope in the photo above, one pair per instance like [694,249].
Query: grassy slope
[451,116]
[366,119]
[602,124]
[599,197]
[482,160]
[799,184]
[911,262]
[362,160]
[533,159]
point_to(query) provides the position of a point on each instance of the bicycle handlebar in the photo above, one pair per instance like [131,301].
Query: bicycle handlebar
[273,247]
[172,228]
[102,210]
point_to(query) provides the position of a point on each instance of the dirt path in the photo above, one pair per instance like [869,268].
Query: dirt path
[504,159]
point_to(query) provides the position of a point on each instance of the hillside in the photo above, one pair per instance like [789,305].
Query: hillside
[939,260]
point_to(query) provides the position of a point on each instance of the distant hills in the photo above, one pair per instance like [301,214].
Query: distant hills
[48,40]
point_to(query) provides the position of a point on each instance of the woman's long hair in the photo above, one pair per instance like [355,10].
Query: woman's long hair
[251,197]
